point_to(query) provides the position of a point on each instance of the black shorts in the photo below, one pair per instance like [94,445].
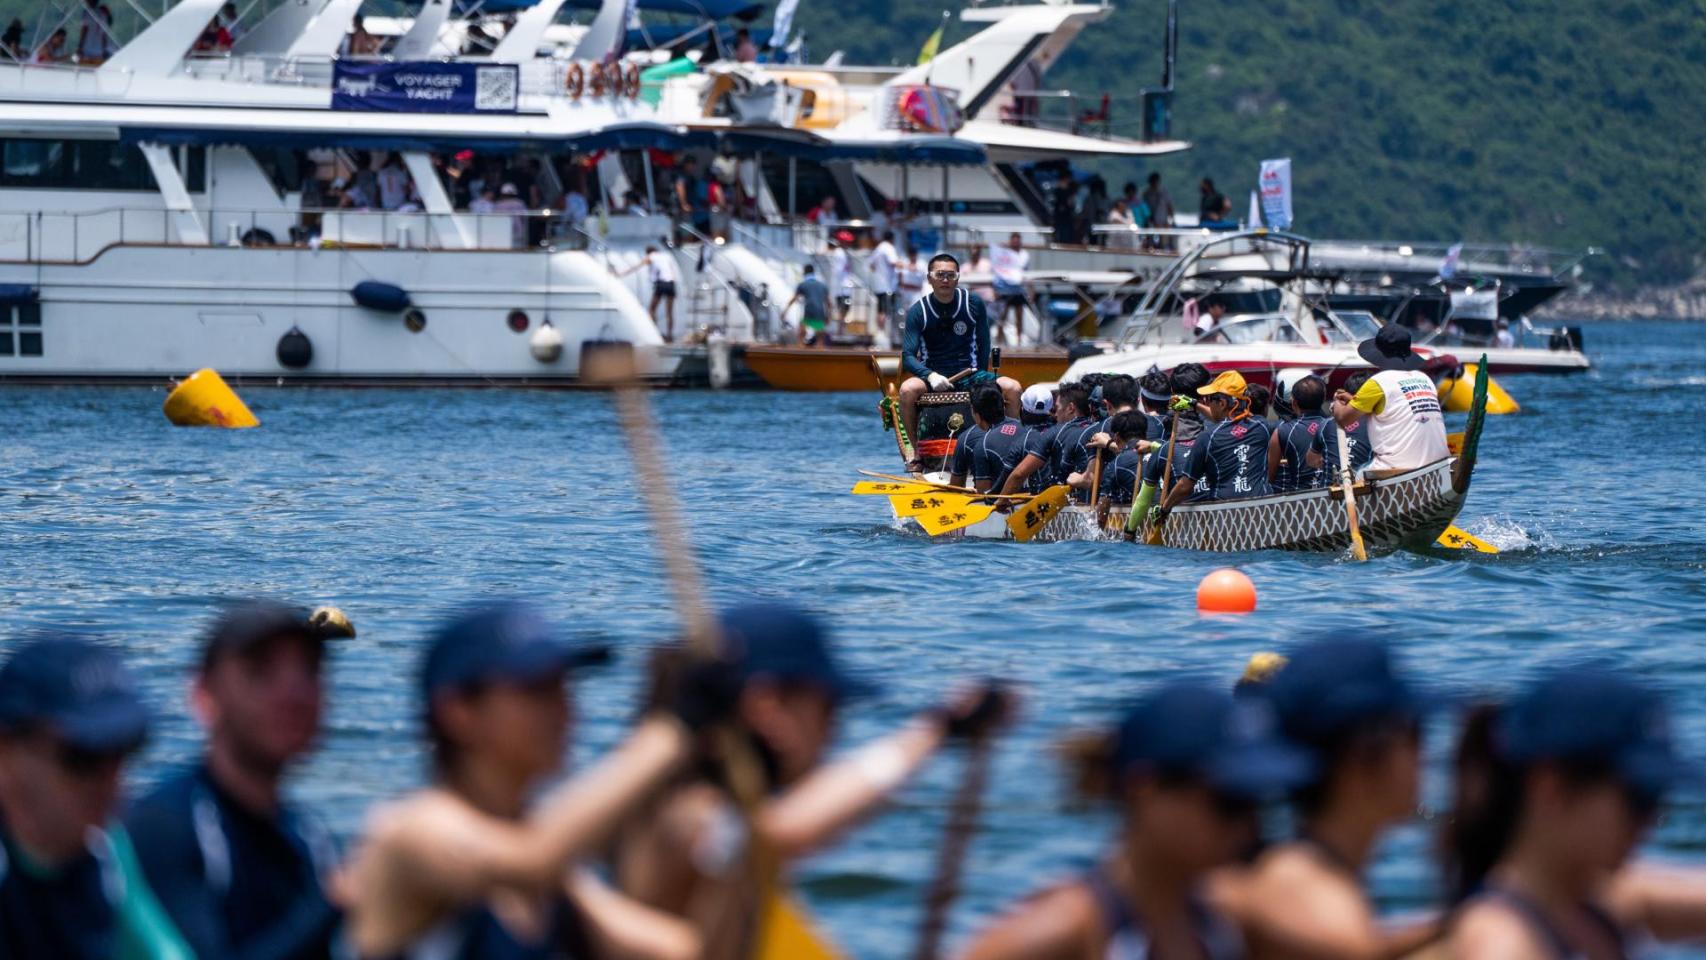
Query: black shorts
[1011,299]
[664,288]
[844,302]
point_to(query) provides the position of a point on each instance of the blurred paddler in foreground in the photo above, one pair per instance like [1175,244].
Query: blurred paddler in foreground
[71,716]
[1187,768]
[691,853]
[468,867]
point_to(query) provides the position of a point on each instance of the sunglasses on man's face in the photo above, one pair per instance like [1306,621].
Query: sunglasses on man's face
[83,763]
[945,275]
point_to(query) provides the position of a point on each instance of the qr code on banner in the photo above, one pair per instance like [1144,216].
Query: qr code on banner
[494,88]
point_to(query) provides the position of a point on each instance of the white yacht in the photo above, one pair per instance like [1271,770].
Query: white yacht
[152,216]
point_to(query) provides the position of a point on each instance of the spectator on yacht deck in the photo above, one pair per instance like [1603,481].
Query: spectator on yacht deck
[90,45]
[911,279]
[824,213]
[509,202]
[813,296]
[486,201]
[841,274]
[12,41]
[1161,210]
[228,19]
[1064,217]
[745,50]
[1213,310]
[1504,339]
[393,182]
[883,268]
[660,270]
[360,43]
[1121,216]
[1230,460]
[693,196]
[1212,201]
[1289,466]
[354,195]
[1008,263]
[53,51]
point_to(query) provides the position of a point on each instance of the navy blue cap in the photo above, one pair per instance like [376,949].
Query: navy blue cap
[1332,685]
[1194,728]
[778,641]
[505,641]
[1598,714]
[77,688]
[247,623]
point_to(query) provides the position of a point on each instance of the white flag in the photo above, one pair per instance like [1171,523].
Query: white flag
[1276,193]
[784,22]
[1255,219]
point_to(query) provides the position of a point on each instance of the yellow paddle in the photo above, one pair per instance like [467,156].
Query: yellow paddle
[949,518]
[866,488]
[930,501]
[1027,521]
[1459,539]
[944,487]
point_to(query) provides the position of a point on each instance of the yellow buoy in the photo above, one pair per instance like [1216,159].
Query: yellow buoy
[1458,395]
[203,400]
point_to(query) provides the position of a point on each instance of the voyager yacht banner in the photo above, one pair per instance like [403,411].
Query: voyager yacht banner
[426,87]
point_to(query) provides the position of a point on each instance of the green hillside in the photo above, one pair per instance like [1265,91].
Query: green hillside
[1556,122]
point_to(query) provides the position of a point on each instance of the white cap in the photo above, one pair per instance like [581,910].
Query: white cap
[1038,398]
[509,190]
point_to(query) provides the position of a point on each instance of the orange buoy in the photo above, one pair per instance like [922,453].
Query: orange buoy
[1226,591]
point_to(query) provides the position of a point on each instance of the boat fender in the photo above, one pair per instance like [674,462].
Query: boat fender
[1081,350]
[546,344]
[18,294]
[597,79]
[381,296]
[574,81]
[203,400]
[295,350]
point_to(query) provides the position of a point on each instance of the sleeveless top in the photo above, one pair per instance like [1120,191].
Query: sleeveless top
[1296,437]
[477,934]
[1127,940]
[1549,933]
[950,337]
[1409,431]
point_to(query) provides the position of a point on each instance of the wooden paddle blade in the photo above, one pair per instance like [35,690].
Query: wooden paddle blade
[1459,539]
[949,519]
[1454,442]
[1027,521]
[788,935]
[890,489]
[929,501]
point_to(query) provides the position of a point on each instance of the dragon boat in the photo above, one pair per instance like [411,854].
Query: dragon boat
[1406,510]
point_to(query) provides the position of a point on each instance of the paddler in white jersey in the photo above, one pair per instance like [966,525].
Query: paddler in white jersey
[1406,425]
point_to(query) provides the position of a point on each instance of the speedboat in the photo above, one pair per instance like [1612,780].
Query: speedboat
[1277,321]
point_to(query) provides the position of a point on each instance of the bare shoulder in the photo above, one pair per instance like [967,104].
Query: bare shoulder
[1487,931]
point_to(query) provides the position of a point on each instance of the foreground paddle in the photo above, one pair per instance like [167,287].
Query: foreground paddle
[1027,521]
[951,517]
[1347,482]
[869,488]
[962,823]
[1460,539]
[928,502]
[933,485]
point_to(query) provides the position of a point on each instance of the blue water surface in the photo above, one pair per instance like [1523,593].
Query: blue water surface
[397,504]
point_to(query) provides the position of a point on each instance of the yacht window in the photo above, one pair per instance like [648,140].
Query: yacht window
[20,330]
[85,165]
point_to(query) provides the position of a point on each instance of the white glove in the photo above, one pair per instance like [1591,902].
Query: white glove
[938,383]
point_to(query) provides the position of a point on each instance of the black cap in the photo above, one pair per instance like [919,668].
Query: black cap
[1390,349]
[1595,713]
[243,625]
[1199,729]
[77,688]
[507,640]
[778,641]
[1335,684]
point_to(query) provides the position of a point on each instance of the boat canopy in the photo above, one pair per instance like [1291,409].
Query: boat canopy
[707,9]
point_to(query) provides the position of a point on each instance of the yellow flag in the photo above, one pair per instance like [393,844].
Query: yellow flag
[930,47]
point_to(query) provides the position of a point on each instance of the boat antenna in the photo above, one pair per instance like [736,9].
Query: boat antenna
[1172,52]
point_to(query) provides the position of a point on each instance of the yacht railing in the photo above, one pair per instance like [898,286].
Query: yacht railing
[1427,255]
[79,237]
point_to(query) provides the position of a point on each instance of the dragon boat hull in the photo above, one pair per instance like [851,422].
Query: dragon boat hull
[1405,511]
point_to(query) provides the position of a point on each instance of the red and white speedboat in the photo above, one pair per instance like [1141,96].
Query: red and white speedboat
[1277,323]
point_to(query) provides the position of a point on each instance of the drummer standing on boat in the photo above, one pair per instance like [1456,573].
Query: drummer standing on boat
[1406,424]
[945,333]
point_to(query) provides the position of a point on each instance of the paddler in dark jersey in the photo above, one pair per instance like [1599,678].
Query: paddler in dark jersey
[70,885]
[690,852]
[946,332]
[1060,451]
[1155,394]
[1230,460]
[471,866]
[1120,474]
[1002,444]
[1184,381]
[1187,768]
[1326,448]
[1555,792]
[1288,450]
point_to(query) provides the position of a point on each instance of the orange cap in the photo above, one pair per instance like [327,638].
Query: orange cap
[1230,383]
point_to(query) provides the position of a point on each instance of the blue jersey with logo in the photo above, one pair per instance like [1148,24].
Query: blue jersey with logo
[945,339]
[1230,459]
[1296,439]
[1068,452]
[1356,442]
[965,447]
[999,451]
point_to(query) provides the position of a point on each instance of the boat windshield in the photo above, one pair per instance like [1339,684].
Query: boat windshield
[1360,325]
[1270,328]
